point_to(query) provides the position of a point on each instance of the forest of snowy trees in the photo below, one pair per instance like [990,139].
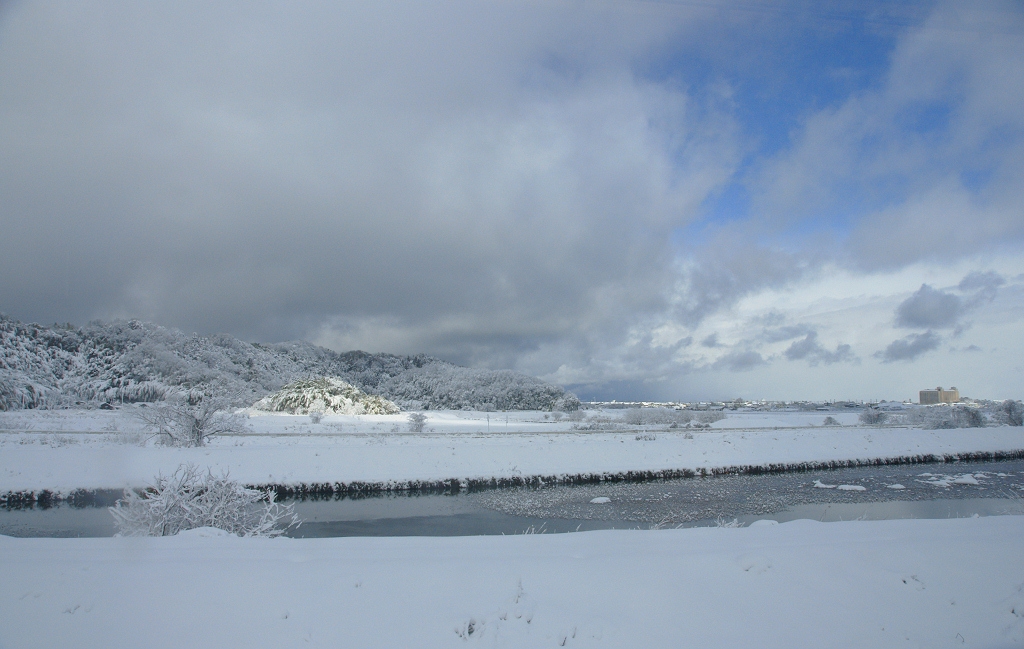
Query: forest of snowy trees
[133,361]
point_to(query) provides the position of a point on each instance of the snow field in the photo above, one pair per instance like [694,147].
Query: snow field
[924,583]
[283,450]
[438,421]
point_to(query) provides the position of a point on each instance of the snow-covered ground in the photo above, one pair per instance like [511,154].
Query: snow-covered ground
[67,450]
[438,421]
[926,583]
[905,583]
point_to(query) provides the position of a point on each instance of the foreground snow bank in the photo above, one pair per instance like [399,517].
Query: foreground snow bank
[928,583]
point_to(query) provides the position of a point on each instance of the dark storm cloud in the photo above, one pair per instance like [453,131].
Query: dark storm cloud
[422,179]
[909,348]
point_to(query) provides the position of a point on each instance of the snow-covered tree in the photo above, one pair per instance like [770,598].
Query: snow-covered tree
[189,499]
[191,420]
[1012,413]
[128,361]
[416,422]
[325,395]
[873,416]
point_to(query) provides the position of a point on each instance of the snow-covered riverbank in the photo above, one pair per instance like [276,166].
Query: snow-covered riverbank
[926,583]
[289,451]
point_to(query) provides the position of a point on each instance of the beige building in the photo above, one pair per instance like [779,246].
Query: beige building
[938,395]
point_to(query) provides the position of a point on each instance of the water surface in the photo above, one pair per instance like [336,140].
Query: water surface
[951,490]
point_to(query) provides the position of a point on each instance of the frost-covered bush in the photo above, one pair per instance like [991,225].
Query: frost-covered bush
[315,416]
[325,395]
[966,417]
[634,417]
[1011,413]
[443,386]
[189,499]
[416,422]
[665,416]
[944,417]
[873,417]
[830,421]
[191,420]
[710,416]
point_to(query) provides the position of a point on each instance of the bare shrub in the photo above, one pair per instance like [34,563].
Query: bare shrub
[416,422]
[191,420]
[189,499]
[315,416]
[831,421]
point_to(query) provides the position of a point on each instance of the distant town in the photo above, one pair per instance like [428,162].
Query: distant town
[937,396]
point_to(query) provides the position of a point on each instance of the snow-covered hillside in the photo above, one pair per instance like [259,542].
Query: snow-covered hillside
[130,361]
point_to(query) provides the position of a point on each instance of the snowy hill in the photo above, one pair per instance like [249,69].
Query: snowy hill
[129,360]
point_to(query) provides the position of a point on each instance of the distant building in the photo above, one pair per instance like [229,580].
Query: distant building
[938,395]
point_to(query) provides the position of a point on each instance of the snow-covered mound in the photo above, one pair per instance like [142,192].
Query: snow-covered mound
[131,361]
[326,395]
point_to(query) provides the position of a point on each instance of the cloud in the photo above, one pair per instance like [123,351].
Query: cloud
[909,348]
[727,269]
[984,284]
[929,308]
[740,361]
[711,341]
[923,166]
[581,192]
[482,179]
[813,352]
[780,334]
[978,280]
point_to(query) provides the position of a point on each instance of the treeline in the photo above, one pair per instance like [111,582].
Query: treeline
[128,361]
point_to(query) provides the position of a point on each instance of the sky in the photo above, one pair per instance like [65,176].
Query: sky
[637,200]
